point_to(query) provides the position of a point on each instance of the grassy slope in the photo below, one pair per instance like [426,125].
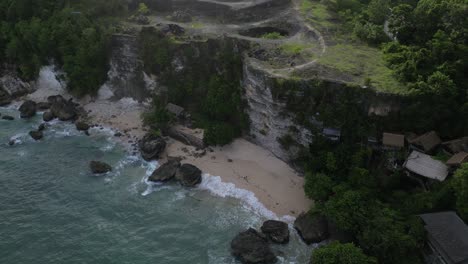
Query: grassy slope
[347,54]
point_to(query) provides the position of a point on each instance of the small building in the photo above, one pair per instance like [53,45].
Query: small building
[332,133]
[456,145]
[447,238]
[425,166]
[176,110]
[393,141]
[426,143]
[457,159]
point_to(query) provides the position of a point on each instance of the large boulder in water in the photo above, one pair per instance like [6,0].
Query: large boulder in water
[189,175]
[64,111]
[312,228]
[5,98]
[28,109]
[48,116]
[166,172]
[36,135]
[250,247]
[99,167]
[276,231]
[151,146]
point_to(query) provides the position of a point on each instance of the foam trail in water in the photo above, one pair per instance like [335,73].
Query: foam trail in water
[216,186]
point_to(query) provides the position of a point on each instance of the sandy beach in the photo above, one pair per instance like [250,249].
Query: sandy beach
[275,184]
[253,168]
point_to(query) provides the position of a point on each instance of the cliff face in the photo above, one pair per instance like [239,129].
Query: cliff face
[126,77]
[269,119]
[13,85]
[285,113]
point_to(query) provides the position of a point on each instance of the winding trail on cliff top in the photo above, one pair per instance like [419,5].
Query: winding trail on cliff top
[233,29]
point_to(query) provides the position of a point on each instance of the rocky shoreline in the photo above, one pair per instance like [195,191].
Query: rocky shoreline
[249,246]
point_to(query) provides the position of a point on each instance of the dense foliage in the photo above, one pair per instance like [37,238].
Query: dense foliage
[428,53]
[335,252]
[73,34]
[204,78]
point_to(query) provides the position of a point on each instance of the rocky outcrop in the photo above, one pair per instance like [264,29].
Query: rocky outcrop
[43,106]
[312,228]
[28,109]
[5,98]
[189,175]
[166,172]
[251,247]
[82,126]
[62,109]
[99,167]
[13,85]
[47,116]
[151,147]
[276,231]
[36,135]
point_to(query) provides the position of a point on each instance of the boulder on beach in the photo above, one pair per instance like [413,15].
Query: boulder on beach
[99,167]
[62,109]
[189,175]
[312,228]
[7,117]
[43,105]
[276,231]
[5,98]
[48,116]
[251,247]
[151,146]
[28,109]
[166,172]
[82,126]
[36,134]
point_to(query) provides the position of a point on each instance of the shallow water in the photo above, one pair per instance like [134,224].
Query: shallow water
[52,210]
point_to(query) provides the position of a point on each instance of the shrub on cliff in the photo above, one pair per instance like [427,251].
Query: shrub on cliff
[335,252]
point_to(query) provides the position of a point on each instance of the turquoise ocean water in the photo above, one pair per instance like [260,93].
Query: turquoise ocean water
[52,210]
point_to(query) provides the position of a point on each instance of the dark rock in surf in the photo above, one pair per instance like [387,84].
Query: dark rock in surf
[251,247]
[151,146]
[99,167]
[189,175]
[166,172]
[276,231]
[48,116]
[312,228]
[41,127]
[7,117]
[64,111]
[81,126]
[36,135]
[28,109]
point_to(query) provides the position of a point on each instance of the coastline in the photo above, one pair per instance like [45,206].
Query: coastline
[248,166]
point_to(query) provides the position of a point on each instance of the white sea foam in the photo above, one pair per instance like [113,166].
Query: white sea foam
[216,186]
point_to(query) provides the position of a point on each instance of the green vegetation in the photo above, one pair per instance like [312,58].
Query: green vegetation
[209,88]
[272,35]
[347,53]
[460,185]
[75,35]
[143,9]
[335,253]
[293,48]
